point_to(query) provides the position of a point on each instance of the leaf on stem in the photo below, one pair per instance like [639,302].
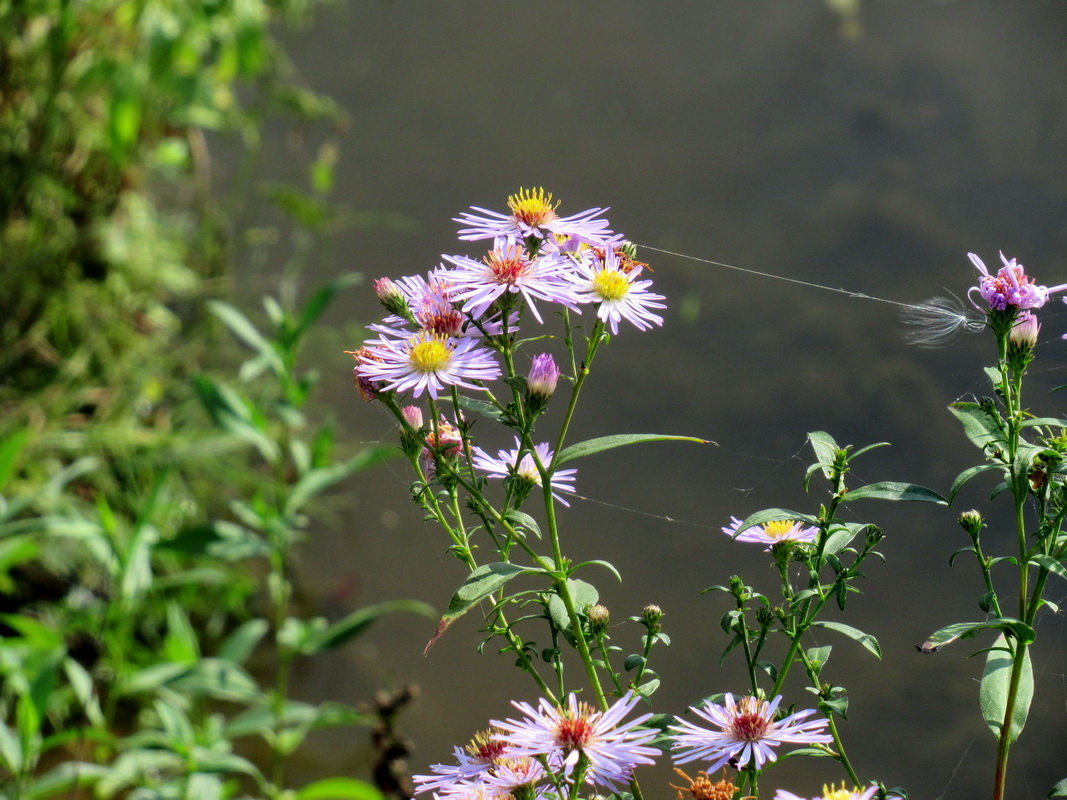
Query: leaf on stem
[358,621]
[981,427]
[1051,564]
[601,443]
[996,680]
[894,490]
[865,639]
[1059,790]
[339,789]
[481,583]
[825,451]
[966,476]
[964,630]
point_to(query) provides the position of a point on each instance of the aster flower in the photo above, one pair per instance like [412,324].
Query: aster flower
[508,775]
[607,747]
[612,282]
[1010,287]
[425,362]
[472,763]
[772,533]
[746,733]
[829,793]
[507,463]
[533,215]
[445,443]
[368,389]
[508,269]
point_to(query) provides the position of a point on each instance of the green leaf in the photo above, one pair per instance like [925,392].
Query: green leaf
[481,583]
[981,427]
[582,595]
[993,694]
[865,639]
[10,448]
[241,327]
[825,451]
[63,779]
[318,480]
[520,520]
[1050,563]
[339,789]
[966,476]
[233,414]
[893,490]
[481,407]
[239,645]
[964,630]
[321,300]
[602,443]
[358,621]
[772,515]
[1059,790]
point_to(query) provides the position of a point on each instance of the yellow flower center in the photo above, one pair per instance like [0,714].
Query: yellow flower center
[778,528]
[533,206]
[829,793]
[610,285]
[430,355]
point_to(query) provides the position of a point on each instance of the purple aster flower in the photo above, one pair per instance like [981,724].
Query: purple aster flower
[829,793]
[481,754]
[507,268]
[772,533]
[1011,286]
[533,215]
[507,463]
[608,747]
[610,280]
[746,733]
[424,362]
[511,774]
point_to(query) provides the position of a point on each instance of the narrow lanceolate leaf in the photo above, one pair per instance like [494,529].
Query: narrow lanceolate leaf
[339,789]
[893,490]
[993,694]
[1059,790]
[966,475]
[865,639]
[1051,564]
[981,427]
[591,446]
[963,630]
[582,595]
[243,329]
[773,515]
[825,451]
[481,583]
[318,480]
[358,621]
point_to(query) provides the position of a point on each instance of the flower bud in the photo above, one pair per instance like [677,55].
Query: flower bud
[1023,333]
[541,381]
[392,298]
[412,416]
[598,616]
[444,445]
[971,521]
[652,616]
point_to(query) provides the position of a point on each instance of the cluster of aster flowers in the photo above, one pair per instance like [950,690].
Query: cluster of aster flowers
[1010,297]
[551,750]
[442,328]
[458,326]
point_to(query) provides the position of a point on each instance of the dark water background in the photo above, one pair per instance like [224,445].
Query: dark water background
[767,134]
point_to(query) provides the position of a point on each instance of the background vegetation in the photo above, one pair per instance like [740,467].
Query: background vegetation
[150,510]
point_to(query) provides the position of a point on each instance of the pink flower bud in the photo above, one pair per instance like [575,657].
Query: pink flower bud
[544,374]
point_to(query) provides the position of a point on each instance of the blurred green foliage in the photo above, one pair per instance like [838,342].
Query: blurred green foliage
[149,510]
